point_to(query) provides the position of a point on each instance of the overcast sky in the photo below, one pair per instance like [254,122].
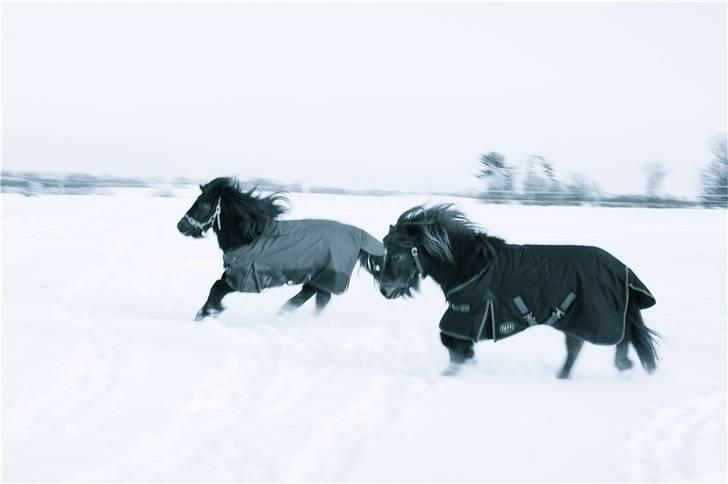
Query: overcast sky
[358,96]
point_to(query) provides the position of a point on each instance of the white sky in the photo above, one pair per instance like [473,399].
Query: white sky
[358,96]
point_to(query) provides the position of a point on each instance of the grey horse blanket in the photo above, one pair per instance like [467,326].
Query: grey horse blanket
[580,290]
[321,253]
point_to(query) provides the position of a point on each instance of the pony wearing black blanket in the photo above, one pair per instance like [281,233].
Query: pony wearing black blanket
[260,251]
[496,290]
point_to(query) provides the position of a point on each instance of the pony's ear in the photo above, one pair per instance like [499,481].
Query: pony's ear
[202,189]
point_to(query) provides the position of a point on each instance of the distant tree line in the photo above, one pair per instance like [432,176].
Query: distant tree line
[534,181]
[31,183]
[35,183]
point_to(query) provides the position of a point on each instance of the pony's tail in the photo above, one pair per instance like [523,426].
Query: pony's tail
[643,339]
[372,264]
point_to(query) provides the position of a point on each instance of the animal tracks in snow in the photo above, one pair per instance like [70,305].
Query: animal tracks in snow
[334,445]
[106,377]
[680,440]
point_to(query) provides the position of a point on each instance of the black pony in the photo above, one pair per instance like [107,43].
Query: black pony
[495,290]
[260,251]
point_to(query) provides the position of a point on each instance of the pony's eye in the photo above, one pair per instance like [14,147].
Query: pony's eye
[204,206]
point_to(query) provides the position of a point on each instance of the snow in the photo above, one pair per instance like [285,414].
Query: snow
[107,377]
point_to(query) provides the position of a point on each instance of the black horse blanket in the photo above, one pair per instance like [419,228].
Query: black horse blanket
[576,289]
[321,253]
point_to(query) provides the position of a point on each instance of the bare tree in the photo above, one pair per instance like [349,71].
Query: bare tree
[714,192]
[539,182]
[655,174]
[498,176]
[491,164]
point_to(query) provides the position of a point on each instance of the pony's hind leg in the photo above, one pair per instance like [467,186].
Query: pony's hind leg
[621,360]
[573,347]
[642,338]
[213,305]
[297,301]
[322,299]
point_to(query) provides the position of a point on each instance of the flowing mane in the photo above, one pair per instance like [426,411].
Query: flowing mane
[244,214]
[442,230]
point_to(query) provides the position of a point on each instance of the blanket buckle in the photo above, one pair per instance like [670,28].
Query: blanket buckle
[559,312]
[527,315]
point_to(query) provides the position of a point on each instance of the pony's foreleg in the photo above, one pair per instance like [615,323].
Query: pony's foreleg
[573,347]
[213,305]
[322,299]
[461,350]
[297,301]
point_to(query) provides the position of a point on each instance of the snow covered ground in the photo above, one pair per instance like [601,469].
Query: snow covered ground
[107,377]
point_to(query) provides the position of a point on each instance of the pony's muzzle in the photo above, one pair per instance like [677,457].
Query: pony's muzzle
[184,227]
[388,291]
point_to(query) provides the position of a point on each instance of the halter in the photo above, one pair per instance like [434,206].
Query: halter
[416,256]
[206,225]
[414,252]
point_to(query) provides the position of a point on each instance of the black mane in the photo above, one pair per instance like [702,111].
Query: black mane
[244,215]
[457,248]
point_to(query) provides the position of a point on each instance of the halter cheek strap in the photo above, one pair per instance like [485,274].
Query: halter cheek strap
[217,215]
[416,256]
[204,226]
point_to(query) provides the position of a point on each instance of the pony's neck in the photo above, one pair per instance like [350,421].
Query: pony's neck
[237,230]
[244,216]
[230,239]
[471,254]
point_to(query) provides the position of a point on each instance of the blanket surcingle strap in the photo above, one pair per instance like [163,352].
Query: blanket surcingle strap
[555,316]
[576,289]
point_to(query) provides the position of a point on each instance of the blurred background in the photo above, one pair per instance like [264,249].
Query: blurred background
[609,104]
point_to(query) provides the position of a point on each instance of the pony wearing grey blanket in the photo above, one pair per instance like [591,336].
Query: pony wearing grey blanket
[260,251]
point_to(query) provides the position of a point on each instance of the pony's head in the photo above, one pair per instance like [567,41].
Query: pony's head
[205,211]
[419,242]
[237,217]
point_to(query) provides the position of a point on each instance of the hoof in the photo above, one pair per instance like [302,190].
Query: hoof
[455,366]
[452,369]
[563,375]
[204,312]
[286,309]
[623,365]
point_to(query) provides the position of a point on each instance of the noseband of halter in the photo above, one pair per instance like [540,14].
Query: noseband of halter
[206,225]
